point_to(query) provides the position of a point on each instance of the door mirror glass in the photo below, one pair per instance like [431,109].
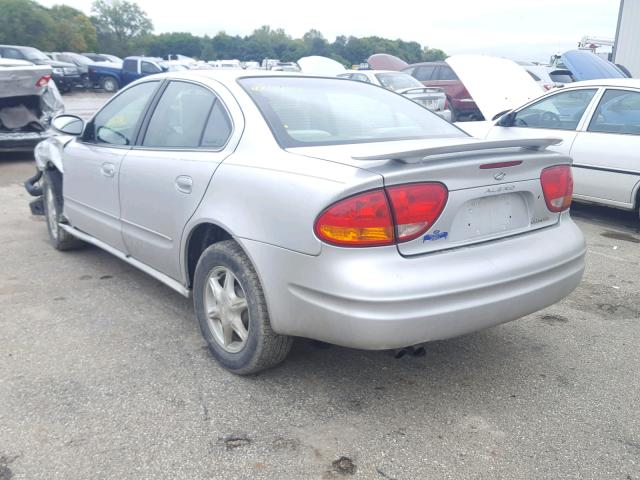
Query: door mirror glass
[68,124]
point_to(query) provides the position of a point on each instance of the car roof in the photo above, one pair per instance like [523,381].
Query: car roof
[439,62]
[607,82]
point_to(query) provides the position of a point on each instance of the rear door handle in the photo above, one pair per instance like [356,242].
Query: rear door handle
[184,183]
[108,169]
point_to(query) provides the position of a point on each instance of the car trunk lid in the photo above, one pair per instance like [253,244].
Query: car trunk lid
[494,186]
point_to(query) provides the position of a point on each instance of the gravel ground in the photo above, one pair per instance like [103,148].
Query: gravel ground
[104,375]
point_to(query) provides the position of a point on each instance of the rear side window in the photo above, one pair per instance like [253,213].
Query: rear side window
[218,128]
[179,118]
[424,73]
[116,123]
[130,66]
[445,73]
[617,112]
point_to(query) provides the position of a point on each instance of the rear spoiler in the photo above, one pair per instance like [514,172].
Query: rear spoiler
[421,154]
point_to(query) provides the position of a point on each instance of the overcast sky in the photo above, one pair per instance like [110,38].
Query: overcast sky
[519,29]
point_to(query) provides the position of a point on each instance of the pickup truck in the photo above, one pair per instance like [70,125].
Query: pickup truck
[112,77]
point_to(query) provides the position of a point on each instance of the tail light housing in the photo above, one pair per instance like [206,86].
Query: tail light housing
[383,216]
[557,186]
[42,81]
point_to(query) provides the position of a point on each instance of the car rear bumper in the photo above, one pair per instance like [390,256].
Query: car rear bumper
[373,298]
[21,141]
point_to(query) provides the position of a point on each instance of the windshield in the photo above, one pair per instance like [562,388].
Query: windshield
[305,111]
[80,58]
[34,54]
[398,81]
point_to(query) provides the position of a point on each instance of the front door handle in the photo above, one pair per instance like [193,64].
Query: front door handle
[184,183]
[108,169]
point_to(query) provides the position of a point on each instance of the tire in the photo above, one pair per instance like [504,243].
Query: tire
[52,200]
[109,84]
[262,348]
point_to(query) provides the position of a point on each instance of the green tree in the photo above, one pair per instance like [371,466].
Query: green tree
[73,31]
[24,22]
[118,24]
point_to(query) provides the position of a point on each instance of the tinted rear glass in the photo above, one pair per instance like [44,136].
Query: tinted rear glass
[303,111]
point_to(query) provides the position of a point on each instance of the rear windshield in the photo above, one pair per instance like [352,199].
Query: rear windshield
[304,111]
[398,81]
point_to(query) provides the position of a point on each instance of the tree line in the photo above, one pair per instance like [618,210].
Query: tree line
[122,28]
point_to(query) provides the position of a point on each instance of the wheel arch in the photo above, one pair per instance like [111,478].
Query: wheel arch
[199,238]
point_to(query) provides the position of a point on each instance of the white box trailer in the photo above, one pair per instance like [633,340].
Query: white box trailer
[626,50]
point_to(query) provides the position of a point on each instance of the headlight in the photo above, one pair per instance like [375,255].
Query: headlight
[58,71]
[70,70]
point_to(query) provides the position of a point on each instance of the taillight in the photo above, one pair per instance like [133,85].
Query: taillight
[360,221]
[416,207]
[557,186]
[42,81]
[365,220]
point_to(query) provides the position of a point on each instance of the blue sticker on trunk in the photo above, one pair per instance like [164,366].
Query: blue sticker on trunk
[436,235]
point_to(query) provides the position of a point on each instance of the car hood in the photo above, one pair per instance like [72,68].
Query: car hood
[384,61]
[585,65]
[317,65]
[495,84]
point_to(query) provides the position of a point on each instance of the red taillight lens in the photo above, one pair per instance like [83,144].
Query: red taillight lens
[557,186]
[360,221]
[42,81]
[416,207]
[365,220]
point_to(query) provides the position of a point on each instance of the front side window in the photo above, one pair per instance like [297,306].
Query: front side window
[561,111]
[116,123]
[617,112]
[13,54]
[179,118]
[304,111]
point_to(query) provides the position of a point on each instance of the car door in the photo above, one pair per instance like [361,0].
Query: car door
[605,153]
[92,164]
[556,116]
[164,177]
[129,71]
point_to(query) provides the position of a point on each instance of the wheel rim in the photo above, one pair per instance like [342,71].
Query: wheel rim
[52,216]
[227,310]
[109,85]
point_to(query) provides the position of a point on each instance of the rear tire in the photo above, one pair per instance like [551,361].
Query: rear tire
[109,84]
[52,200]
[226,314]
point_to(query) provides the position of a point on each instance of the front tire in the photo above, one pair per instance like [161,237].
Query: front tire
[52,200]
[232,311]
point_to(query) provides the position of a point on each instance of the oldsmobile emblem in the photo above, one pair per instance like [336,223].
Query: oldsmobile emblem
[499,176]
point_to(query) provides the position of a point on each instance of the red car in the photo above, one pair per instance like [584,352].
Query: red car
[440,74]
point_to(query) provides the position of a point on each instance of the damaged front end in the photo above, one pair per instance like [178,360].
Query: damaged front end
[29,100]
[48,154]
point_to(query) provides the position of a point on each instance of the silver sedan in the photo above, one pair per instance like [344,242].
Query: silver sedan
[313,207]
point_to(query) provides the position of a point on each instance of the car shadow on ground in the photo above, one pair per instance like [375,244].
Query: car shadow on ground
[606,216]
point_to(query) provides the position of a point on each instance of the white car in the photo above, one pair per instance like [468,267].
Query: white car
[598,122]
[432,98]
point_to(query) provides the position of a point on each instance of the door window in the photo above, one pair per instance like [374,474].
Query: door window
[116,123]
[445,73]
[148,67]
[180,116]
[218,128]
[617,112]
[424,73]
[12,53]
[561,111]
[360,78]
[130,66]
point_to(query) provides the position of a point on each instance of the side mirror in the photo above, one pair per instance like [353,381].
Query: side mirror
[68,124]
[507,120]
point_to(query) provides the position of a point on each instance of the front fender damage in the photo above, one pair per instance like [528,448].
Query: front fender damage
[48,154]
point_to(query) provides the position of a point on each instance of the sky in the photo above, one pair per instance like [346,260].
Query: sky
[530,30]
